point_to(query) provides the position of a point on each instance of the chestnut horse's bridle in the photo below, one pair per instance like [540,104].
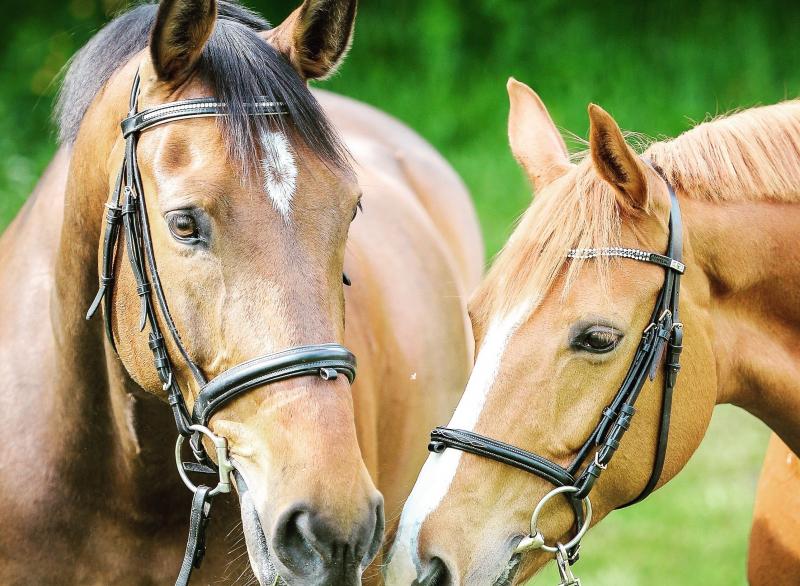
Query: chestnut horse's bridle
[664,332]
[127,209]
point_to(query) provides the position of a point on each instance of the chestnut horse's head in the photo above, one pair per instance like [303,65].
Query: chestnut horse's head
[555,338]
[249,216]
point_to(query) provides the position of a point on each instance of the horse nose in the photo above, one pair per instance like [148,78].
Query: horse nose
[435,573]
[316,550]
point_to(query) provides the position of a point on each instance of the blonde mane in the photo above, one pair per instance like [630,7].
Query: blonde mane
[753,155]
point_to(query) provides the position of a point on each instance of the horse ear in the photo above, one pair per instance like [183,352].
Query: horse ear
[316,37]
[535,141]
[615,161]
[179,35]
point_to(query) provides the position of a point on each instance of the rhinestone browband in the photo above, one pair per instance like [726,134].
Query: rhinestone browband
[632,253]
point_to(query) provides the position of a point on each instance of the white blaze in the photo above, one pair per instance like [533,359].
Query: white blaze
[440,469]
[280,171]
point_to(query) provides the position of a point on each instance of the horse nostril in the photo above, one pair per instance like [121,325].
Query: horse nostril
[312,548]
[297,542]
[435,573]
[375,530]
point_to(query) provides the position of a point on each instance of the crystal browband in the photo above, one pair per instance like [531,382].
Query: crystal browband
[632,253]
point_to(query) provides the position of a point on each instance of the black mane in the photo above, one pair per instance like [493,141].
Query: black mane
[236,63]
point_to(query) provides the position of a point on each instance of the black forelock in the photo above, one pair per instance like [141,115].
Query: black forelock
[237,65]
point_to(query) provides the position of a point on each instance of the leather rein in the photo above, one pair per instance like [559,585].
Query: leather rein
[127,210]
[663,335]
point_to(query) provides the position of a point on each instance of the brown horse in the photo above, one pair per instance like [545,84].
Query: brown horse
[556,335]
[251,228]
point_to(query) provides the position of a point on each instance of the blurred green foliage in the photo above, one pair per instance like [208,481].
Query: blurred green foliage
[441,66]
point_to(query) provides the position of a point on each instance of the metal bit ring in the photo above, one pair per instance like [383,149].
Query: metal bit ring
[536,540]
[223,462]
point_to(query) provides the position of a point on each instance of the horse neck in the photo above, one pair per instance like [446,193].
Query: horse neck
[101,409]
[745,250]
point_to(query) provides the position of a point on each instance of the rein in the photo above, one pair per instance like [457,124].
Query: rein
[663,335]
[127,210]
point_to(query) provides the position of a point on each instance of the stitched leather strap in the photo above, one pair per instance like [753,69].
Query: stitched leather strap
[474,443]
[196,543]
[194,108]
[325,360]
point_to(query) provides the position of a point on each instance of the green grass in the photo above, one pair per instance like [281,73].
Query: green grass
[441,66]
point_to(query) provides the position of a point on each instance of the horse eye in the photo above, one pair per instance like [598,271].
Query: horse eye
[359,208]
[183,226]
[599,339]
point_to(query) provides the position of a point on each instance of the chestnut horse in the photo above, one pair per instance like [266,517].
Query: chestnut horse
[251,228]
[774,556]
[557,335]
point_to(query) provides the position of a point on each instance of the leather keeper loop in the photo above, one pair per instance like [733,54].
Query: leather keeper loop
[113,214]
[155,342]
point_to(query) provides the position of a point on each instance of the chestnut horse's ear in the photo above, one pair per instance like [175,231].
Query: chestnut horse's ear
[535,140]
[615,161]
[179,35]
[315,38]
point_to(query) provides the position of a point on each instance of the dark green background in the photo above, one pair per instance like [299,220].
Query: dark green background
[441,66]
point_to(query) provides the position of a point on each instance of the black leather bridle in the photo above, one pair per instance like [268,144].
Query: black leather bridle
[664,332]
[127,210]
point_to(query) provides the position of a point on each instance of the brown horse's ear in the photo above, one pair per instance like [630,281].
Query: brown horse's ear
[615,161]
[316,37]
[535,141]
[181,30]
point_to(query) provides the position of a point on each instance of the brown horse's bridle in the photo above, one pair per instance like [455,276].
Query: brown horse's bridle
[127,209]
[664,332]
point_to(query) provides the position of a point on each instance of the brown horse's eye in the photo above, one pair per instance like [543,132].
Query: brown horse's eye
[183,226]
[600,339]
[359,208]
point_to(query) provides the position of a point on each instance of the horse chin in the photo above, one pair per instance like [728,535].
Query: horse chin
[256,541]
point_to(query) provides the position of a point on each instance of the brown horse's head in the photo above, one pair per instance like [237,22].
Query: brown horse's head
[555,338]
[249,218]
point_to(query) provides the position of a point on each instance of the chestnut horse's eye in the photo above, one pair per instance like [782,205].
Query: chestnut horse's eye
[599,339]
[183,226]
